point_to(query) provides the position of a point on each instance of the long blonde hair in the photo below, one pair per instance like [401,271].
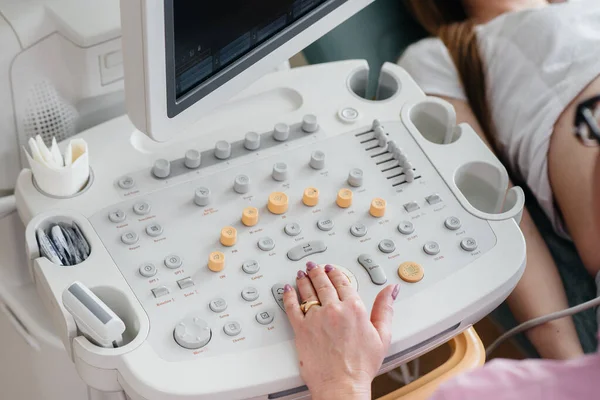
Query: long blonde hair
[448,20]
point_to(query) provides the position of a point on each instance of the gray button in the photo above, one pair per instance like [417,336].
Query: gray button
[241,184]
[406,227]
[116,216]
[185,283]
[193,159]
[141,208]
[202,196]
[453,223]
[232,328]
[374,270]
[280,172]
[310,124]
[281,132]
[433,199]
[265,317]
[161,168]
[325,225]
[126,182]
[317,160]
[266,244]
[130,238]
[409,176]
[469,244]
[250,267]
[278,289]
[222,150]
[250,293]
[148,270]
[154,230]
[358,230]
[252,141]
[173,261]
[160,291]
[192,333]
[431,248]
[355,177]
[292,229]
[218,305]
[387,246]
[411,207]
[305,250]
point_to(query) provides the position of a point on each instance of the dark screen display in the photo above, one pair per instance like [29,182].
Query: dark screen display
[210,35]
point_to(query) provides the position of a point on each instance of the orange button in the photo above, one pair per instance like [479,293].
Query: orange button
[310,197]
[411,272]
[278,203]
[216,261]
[377,208]
[228,236]
[250,216]
[344,198]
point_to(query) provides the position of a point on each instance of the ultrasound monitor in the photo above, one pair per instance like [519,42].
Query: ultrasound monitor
[183,58]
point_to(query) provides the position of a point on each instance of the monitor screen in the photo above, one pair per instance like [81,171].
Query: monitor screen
[206,38]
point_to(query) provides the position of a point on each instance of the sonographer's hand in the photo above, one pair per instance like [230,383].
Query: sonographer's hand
[340,347]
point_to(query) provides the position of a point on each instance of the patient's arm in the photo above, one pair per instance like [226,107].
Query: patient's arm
[540,290]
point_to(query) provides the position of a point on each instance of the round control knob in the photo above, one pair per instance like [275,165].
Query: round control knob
[407,165]
[222,150]
[310,197]
[281,132]
[278,203]
[193,159]
[383,141]
[280,172]
[377,208]
[355,177]
[216,261]
[400,156]
[161,168]
[202,196]
[309,123]
[228,236]
[241,184]
[252,141]
[392,146]
[344,198]
[376,123]
[192,333]
[250,216]
[317,160]
[409,175]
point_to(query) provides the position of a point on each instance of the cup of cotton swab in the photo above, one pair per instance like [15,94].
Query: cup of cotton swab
[55,174]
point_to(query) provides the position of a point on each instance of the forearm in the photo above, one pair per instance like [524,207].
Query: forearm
[539,292]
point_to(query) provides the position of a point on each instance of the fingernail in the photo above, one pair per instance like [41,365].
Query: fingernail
[329,268]
[301,274]
[287,288]
[310,266]
[395,292]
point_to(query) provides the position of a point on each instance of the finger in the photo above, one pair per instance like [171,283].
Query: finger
[305,288]
[323,286]
[383,313]
[292,307]
[341,283]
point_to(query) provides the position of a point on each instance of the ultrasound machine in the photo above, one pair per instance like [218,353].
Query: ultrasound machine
[228,174]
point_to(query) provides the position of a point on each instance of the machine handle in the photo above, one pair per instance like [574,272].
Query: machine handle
[20,327]
[467,353]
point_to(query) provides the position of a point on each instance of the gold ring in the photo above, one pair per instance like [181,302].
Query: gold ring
[306,305]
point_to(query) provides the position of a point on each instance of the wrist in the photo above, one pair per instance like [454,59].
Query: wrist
[342,391]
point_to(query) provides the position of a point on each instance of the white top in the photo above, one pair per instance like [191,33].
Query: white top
[536,62]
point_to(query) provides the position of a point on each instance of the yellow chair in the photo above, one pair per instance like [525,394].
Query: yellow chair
[467,353]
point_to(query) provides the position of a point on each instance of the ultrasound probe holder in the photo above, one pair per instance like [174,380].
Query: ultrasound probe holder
[151,240]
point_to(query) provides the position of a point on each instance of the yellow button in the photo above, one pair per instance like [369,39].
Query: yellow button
[278,203]
[228,236]
[377,208]
[410,272]
[250,216]
[216,261]
[344,198]
[311,197]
